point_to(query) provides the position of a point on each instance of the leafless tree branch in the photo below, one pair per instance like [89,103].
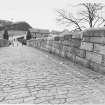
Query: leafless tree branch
[67,18]
[90,15]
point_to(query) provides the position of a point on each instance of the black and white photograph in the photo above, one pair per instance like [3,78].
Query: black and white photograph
[52,52]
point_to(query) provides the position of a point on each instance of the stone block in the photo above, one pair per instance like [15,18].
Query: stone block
[49,48]
[67,37]
[87,33]
[86,46]
[62,54]
[53,49]
[97,67]
[82,61]
[91,56]
[71,57]
[50,43]
[103,60]
[86,39]
[60,48]
[65,50]
[61,38]
[75,42]
[78,52]
[43,45]
[56,38]
[99,33]
[77,35]
[54,45]
[99,48]
[100,40]
[66,42]
[94,32]
[57,51]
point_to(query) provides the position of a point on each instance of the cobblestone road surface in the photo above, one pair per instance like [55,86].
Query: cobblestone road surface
[28,75]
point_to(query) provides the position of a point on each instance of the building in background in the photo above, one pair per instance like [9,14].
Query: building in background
[13,34]
[55,32]
[65,32]
[39,33]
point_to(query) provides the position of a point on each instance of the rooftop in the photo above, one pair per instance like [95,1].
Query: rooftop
[39,30]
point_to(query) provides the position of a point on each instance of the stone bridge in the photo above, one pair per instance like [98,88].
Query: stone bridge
[86,48]
[33,76]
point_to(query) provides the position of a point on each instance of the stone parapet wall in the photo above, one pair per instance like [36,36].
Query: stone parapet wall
[86,48]
[4,43]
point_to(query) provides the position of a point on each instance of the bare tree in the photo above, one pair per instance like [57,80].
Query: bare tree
[28,36]
[5,35]
[68,19]
[90,15]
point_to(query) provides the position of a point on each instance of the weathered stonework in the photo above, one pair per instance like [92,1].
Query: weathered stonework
[91,56]
[98,40]
[99,48]
[86,46]
[78,52]
[4,43]
[71,56]
[82,61]
[66,42]
[67,37]
[100,32]
[66,50]
[97,67]
[75,42]
[103,60]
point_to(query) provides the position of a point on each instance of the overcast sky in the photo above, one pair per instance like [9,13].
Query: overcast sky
[38,13]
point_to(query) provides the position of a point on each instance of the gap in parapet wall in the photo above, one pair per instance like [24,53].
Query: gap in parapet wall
[86,48]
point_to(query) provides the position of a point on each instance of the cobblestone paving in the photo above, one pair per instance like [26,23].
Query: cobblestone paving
[28,75]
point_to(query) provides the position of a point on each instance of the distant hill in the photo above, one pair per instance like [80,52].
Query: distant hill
[5,23]
[23,26]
